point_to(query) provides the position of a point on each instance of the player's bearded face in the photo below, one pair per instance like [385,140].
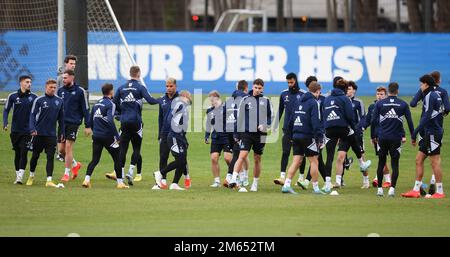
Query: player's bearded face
[170,88]
[67,79]
[291,82]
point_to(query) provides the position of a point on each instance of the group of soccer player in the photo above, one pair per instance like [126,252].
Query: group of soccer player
[312,121]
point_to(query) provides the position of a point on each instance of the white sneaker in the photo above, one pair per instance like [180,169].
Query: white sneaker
[254,187]
[365,186]
[158,177]
[365,165]
[174,186]
[215,185]
[242,190]
[380,192]
[156,187]
[391,192]
[233,183]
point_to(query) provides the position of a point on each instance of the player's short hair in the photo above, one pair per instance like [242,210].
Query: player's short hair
[336,79]
[309,80]
[436,76]
[258,82]
[393,88]
[341,84]
[427,79]
[314,86]
[24,77]
[291,75]
[107,88]
[70,57]
[134,71]
[242,85]
[187,94]
[50,81]
[171,81]
[382,88]
[69,72]
[353,85]
[214,93]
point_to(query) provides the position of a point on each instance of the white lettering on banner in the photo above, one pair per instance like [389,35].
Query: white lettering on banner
[102,62]
[239,62]
[379,63]
[166,61]
[315,61]
[347,58]
[270,62]
[209,62]
[141,53]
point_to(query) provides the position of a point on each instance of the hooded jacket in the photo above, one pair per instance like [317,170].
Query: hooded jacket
[21,104]
[306,120]
[76,105]
[338,110]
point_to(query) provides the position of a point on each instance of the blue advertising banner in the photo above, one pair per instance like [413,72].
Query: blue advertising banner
[218,60]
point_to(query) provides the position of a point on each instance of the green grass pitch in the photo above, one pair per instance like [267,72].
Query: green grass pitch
[204,211]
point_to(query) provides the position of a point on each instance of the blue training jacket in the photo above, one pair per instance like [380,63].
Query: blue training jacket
[45,112]
[164,109]
[102,119]
[388,116]
[338,111]
[232,112]
[444,96]
[306,120]
[287,99]
[21,104]
[128,100]
[76,105]
[216,124]
[430,122]
[254,111]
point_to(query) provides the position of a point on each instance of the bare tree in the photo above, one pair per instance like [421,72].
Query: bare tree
[366,15]
[443,16]
[415,15]
[331,15]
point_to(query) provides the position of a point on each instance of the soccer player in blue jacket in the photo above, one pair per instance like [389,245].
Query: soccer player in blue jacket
[430,127]
[129,101]
[287,97]
[446,109]
[45,112]
[388,117]
[216,130]
[104,135]
[254,120]
[340,125]
[306,131]
[177,142]
[21,102]
[76,108]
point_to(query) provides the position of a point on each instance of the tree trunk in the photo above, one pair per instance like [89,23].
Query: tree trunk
[366,13]
[331,15]
[443,16]
[280,15]
[415,16]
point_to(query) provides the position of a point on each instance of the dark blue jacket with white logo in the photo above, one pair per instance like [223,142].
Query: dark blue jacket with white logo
[128,100]
[306,120]
[76,105]
[338,110]
[45,112]
[388,116]
[444,96]
[430,121]
[232,112]
[216,125]
[287,99]
[21,104]
[164,110]
[254,111]
[178,119]
[102,119]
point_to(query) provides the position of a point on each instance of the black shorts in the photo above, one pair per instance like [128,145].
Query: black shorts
[252,141]
[46,143]
[305,147]
[350,141]
[337,132]
[431,144]
[20,141]
[70,132]
[389,146]
[218,148]
[109,143]
[128,130]
[177,146]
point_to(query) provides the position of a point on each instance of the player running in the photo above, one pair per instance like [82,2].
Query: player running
[76,107]
[254,120]
[45,112]
[446,109]
[339,126]
[21,102]
[177,142]
[388,118]
[306,131]
[129,100]
[430,145]
[215,128]
[104,135]
[287,99]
